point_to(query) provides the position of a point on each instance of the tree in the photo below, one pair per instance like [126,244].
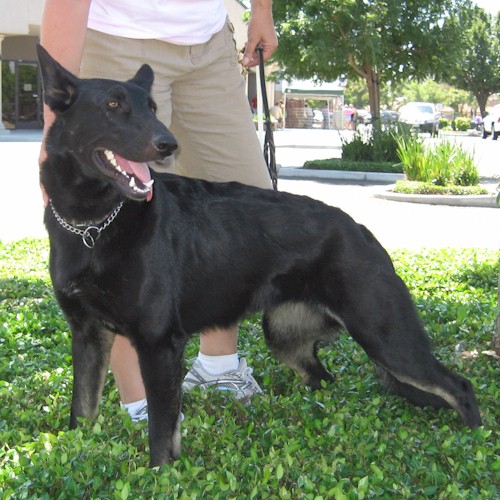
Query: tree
[376,40]
[496,338]
[431,91]
[476,65]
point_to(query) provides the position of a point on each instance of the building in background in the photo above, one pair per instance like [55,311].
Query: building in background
[20,84]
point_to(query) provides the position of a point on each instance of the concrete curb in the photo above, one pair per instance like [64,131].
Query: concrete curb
[340,175]
[482,201]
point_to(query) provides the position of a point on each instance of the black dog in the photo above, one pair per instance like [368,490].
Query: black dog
[202,254]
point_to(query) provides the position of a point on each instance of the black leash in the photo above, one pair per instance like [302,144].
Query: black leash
[269,148]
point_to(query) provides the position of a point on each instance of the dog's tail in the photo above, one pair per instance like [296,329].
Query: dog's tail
[409,392]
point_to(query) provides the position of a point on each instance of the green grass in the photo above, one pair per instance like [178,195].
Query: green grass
[347,441]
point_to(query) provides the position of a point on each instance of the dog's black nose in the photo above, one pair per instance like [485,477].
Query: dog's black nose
[165,144]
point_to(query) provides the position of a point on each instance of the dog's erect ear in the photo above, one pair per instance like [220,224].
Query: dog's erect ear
[144,77]
[59,85]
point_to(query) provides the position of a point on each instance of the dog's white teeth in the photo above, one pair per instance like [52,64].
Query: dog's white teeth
[132,184]
[148,184]
[111,158]
[109,155]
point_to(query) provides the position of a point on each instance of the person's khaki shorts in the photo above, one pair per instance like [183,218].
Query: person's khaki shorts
[200,94]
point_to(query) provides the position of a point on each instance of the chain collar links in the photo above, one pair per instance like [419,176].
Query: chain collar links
[91,233]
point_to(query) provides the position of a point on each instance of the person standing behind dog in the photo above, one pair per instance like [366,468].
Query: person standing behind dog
[191,48]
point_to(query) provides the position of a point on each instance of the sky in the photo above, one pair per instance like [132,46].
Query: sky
[492,6]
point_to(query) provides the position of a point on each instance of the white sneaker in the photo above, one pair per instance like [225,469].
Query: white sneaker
[240,381]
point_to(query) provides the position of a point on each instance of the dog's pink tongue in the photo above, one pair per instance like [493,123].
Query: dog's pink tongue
[138,170]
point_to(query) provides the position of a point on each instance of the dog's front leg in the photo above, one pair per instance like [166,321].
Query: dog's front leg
[91,347]
[161,368]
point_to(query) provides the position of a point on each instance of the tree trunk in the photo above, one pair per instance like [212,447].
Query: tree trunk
[482,99]
[373,82]
[372,79]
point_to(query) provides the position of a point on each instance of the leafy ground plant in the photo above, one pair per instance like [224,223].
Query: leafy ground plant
[415,187]
[354,166]
[349,440]
[376,144]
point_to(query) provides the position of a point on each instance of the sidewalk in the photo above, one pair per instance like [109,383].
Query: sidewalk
[395,224]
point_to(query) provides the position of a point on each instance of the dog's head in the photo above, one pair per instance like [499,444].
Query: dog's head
[109,126]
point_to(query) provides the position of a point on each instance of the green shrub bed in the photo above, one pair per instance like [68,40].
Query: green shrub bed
[354,166]
[415,187]
[349,440]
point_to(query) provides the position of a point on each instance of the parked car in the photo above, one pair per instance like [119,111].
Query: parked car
[388,116]
[421,115]
[363,116]
[491,123]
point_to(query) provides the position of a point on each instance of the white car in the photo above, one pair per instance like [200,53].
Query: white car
[491,123]
[423,116]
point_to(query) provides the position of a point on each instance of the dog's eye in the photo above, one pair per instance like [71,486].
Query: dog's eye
[113,104]
[152,106]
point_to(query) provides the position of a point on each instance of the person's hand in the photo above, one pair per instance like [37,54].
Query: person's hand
[260,32]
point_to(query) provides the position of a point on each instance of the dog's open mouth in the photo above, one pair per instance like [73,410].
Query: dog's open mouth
[134,178]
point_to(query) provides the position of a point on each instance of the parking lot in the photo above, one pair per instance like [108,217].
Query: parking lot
[395,224]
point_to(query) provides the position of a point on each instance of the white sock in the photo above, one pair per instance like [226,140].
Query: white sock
[216,365]
[134,407]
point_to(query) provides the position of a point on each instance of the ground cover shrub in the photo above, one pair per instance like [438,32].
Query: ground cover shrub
[461,124]
[349,440]
[359,148]
[444,164]
[354,166]
[444,124]
[376,144]
[415,187]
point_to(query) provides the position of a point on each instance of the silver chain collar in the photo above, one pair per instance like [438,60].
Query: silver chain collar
[91,233]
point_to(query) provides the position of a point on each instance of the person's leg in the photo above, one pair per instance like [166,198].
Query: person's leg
[219,341]
[123,357]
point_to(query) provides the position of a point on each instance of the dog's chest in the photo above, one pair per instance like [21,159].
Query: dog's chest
[96,294]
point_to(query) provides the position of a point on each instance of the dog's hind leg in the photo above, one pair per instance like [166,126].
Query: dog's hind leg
[387,326]
[293,331]
[91,345]
[408,391]
[438,387]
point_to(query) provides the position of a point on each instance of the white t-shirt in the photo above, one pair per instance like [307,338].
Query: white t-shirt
[182,22]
